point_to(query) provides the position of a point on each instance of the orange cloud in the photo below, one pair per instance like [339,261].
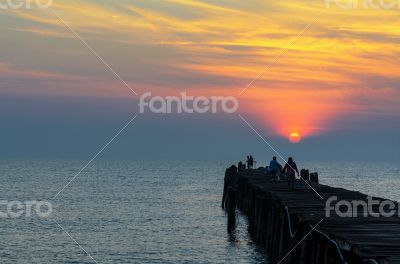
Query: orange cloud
[345,56]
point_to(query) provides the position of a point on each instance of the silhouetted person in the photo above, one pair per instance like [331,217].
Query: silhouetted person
[240,166]
[274,166]
[290,170]
[251,162]
[248,162]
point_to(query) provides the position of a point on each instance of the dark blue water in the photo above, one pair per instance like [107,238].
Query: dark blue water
[135,212]
[121,212]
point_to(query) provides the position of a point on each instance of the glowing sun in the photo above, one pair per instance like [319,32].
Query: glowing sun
[295,137]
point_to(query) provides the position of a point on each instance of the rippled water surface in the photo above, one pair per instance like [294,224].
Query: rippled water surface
[131,212]
[381,179]
[121,212]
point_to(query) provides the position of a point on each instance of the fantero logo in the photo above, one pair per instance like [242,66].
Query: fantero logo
[187,104]
[17,209]
[25,4]
[370,207]
[365,4]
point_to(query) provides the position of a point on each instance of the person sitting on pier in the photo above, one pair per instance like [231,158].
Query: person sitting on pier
[290,170]
[274,166]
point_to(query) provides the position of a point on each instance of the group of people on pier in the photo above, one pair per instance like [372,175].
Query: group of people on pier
[290,169]
[275,169]
[250,163]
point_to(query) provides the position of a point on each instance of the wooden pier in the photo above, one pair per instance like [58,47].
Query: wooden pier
[293,226]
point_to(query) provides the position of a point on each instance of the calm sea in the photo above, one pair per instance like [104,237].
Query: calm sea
[131,212]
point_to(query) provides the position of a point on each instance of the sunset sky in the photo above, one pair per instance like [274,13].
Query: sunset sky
[330,74]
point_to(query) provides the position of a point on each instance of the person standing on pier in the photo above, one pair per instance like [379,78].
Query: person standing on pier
[274,166]
[240,166]
[290,170]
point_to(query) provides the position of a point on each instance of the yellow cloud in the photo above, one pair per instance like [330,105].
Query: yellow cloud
[344,50]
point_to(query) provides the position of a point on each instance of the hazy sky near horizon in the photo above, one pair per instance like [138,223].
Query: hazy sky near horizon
[336,79]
